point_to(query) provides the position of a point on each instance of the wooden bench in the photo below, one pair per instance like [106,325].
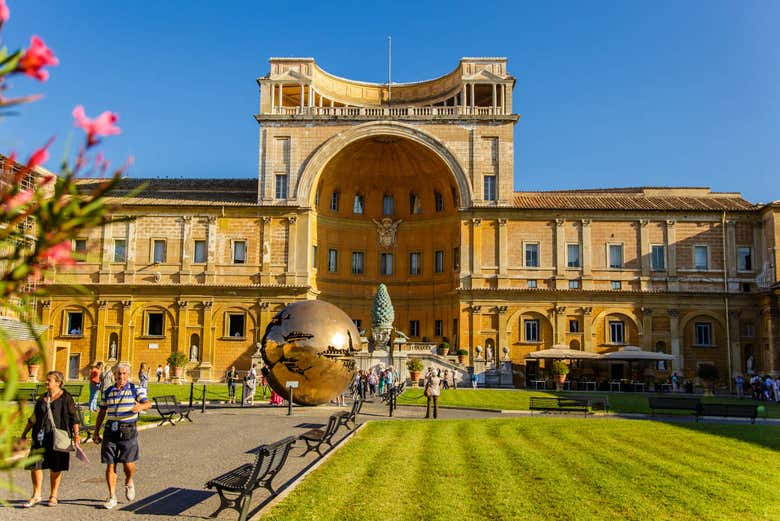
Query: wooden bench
[235,488]
[673,404]
[167,406]
[594,402]
[727,410]
[88,430]
[554,404]
[74,390]
[316,438]
[350,416]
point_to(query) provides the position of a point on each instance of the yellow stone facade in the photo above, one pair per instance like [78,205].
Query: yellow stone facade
[411,185]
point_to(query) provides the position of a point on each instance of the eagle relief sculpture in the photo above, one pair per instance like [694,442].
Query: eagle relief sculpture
[387,229]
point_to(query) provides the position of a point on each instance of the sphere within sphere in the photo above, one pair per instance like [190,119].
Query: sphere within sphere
[310,342]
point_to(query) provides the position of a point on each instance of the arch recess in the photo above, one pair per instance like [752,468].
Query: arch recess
[314,165]
[622,312]
[700,313]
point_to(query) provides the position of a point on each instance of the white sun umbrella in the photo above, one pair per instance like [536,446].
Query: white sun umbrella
[562,352]
[635,353]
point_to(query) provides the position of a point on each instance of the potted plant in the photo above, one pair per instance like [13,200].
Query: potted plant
[444,348]
[560,369]
[415,367]
[462,354]
[708,374]
[33,364]
[177,361]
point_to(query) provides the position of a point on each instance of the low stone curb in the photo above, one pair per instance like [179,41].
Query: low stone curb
[290,486]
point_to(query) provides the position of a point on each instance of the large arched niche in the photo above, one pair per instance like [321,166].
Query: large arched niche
[317,163]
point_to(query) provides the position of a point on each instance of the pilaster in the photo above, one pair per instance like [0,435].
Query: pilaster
[185,274]
[587,256]
[476,246]
[126,341]
[211,254]
[678,364]
[560,253]
[671,255]
[503,247]
[644,254]
[647,329]
[98,337]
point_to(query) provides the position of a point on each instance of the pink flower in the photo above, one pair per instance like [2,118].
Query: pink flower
[58,254]
[103,125]
[41,155]
[14,203]
[5,13]
[35,59]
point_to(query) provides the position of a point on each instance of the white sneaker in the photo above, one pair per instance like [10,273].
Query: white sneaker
[130,491]
[110,503]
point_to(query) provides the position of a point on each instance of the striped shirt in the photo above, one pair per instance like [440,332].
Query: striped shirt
[119,403]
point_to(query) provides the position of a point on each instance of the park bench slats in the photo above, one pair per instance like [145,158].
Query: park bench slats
[350,416]
[88,430]
[594,402]
[559,404]
[673,404]
[168,406]
[727,410]
[235,487]
[316,438]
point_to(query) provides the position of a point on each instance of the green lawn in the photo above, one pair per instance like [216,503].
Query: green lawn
[544,468]
[519,400]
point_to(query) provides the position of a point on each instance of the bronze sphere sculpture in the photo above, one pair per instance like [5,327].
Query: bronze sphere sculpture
[310,342]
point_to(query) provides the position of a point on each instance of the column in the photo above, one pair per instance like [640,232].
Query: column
[125,347]
[186,239]
[735,347]
[181,327]
[770,319]
[105,257]
[209,330]
[671,254]
[272,87]
[587,329]
[476,246]
[647,329]
[759,250]
[281,96]
[502,340]
[731,254]
[560,324]
[292,246]
[645,254]
[463,97]
[495,99]
[98,337]
[587,263]
[678,364]
[265,240]
[503,247]
[301,97]
[473,101]
[131,249]
[211,248]
[48,335]
[560,253]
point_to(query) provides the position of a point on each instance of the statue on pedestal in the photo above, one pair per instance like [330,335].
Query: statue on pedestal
[112,351]
[194,353]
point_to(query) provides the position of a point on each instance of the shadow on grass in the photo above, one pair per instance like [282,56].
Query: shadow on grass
[767,436]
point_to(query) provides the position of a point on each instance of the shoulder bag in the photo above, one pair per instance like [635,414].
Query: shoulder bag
[62,439]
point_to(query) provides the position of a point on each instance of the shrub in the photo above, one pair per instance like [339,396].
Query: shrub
[177,359]
[560,368]
[414,365]
[707,372]
[35,359]
[463,352]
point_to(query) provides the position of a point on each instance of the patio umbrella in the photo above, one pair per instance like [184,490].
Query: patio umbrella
[630,353]
[562,352]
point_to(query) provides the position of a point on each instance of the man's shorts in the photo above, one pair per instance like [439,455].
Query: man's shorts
[119,451]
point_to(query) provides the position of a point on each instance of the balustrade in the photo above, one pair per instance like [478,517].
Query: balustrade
[378,112]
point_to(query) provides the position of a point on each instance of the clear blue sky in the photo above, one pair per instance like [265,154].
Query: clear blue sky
[609,93]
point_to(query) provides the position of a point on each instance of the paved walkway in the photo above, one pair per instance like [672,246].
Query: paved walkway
[177,461]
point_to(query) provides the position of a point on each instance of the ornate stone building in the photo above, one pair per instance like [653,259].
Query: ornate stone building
[411,185]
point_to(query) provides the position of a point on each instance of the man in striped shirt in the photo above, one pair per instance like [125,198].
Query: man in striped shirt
[119,408]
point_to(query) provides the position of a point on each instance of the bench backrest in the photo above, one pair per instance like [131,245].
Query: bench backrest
[74,390]
[572,402]
[356,406]
[728,409]
[270,458]
[330,430]
[165,404]
[540,401]
[656,402]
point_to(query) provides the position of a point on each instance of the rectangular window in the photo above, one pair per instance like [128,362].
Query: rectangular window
[281,186]
[415,206]
[574,326]
[333,257]
[573,255]
[158,251]
[236,323]
[439,201]
[455,259]
[357,262]
[532,255]
[80,249]
[415,263]
[658,261]
[617,333]
[532,284]
[239,252]
[75,323]
[199,253]
[531,328]
[120,250]
[334,201]
[388,205]
[357,206]
[701,260]
[386,264]
[414,328]
[616,256]
[490,188]
[438,328]
[154,324]
[744,259]
[574,284]
[703,332]
[314,256]
[616,284]
[439,261]
[749,330]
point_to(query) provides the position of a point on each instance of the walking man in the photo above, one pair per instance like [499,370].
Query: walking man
[119,408]
[432,391]
[94,386]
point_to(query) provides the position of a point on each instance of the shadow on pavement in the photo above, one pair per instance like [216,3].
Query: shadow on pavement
[169,502]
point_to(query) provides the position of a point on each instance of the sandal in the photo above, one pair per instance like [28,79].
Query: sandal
[32,502]
[52,501]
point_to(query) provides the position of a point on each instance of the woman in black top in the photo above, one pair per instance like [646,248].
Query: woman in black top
[63,410]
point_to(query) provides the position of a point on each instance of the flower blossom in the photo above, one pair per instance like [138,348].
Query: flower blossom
[40,156]
[5,13]
[15,202]
[35,59]
[103,125]
[59,254]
